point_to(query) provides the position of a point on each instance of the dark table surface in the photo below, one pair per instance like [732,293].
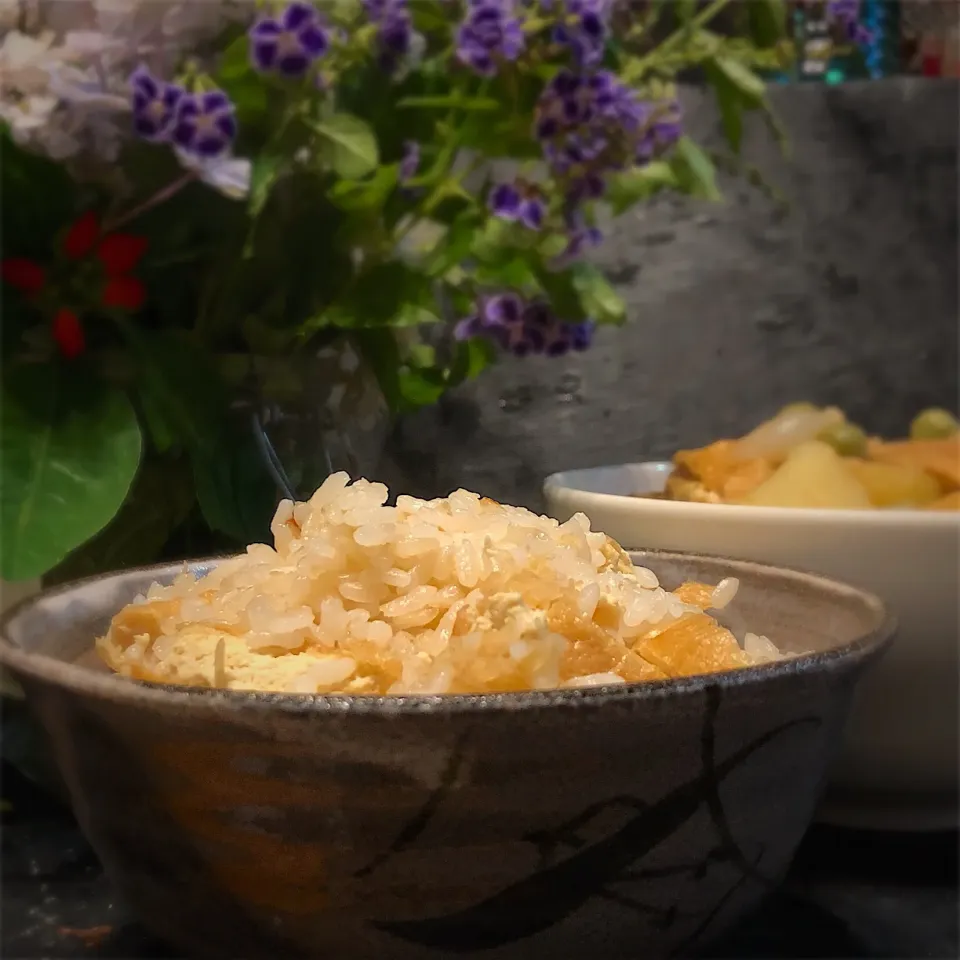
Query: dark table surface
[849,894]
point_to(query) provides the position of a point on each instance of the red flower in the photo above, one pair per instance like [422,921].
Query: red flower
[121,252]
[68,333]
[28,277]
[81,236]
[124,292]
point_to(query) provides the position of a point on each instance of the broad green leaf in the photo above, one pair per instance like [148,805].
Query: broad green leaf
[639,183]
[599,300]
[695,171]
[179,385]
[69,450]
[159,501]
[237,493]
[353,145]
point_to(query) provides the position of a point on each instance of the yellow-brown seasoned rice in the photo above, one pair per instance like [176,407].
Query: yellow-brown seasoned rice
[444,596]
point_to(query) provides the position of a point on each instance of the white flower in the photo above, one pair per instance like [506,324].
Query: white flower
[229,175]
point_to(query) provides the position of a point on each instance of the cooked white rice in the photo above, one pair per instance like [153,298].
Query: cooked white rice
[454,595]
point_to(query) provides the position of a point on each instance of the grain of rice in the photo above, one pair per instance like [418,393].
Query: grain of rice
[724,593]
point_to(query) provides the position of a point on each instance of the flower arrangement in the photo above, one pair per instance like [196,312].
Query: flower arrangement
[202,200]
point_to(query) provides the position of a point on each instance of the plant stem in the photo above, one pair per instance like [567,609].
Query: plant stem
[161,196]
[634,71]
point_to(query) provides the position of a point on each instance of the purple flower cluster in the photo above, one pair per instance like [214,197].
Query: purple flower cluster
[291,43]
[394,29]
[490,33]
[583,28]
[591,125]
[524,328]
[518,202]
[846,15]
[203,124]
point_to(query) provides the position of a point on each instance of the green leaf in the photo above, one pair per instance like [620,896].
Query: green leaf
[237,494]
[353,145]
[70,449]
[178,385]
[639,183]
[159,501]
[267,169]
[730,105]
[562,292]
[454,247]
[370,194]
[386,294]
[39,199]
[743,79]
[380,351]
[420,388]
[455,100]
[245,87]
[768,21]
[695,172]
[599,300]
[471,358]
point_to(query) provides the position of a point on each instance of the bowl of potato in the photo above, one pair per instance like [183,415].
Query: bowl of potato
[810,490]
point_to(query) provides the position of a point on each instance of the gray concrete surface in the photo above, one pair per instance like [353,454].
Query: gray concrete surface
[850,298]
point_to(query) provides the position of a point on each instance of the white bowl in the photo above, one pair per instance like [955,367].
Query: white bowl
[898,768]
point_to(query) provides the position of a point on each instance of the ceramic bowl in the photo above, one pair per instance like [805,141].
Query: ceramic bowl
[621,821]
[898,769]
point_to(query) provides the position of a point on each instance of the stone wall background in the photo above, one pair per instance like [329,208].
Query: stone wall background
[850,298]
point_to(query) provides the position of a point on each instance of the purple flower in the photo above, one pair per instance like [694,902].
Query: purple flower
[524,329]
[591,125]
[395,29]
[846,15]
[581,238]
[409,162]
[584,30]
[489,33]
[205,124]
[519,203]
[154,105]
[289,44]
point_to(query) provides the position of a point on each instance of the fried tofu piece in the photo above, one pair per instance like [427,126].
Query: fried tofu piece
[941,458]
[694,593]
[692,645]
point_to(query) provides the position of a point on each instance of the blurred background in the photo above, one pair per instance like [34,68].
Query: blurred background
[839,289]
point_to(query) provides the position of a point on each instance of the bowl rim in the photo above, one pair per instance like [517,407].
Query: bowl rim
[109,686]
[556,485]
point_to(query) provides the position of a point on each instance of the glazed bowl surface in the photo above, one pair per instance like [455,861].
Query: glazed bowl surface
[612,822]
[899,765]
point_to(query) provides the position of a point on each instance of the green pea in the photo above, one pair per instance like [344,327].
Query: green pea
[846,438]
[933,424]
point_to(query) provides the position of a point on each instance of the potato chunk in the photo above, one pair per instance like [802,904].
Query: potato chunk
[894,484]
[813,475]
